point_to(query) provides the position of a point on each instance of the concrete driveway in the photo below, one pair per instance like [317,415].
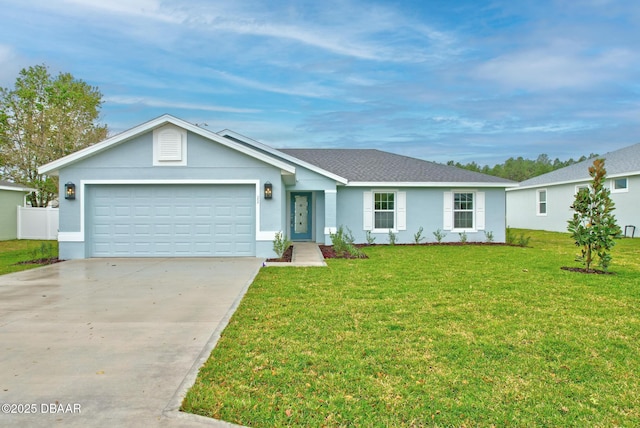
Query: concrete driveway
[112,342]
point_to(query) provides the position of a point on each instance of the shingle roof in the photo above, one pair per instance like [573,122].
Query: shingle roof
[368,165]
[619,162]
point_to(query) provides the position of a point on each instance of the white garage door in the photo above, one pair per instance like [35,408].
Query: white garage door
[171,220]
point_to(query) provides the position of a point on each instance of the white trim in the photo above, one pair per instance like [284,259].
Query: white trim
[546,202]
[395,228]
[613,184]
[481,212]
[52,167]
[17,189]
[577,180]
[367,210]
[80,236]
[70,237]
[580,186]
[181,155]
[266,235]
[425,184]
[282,155]
[331,191]
[474,211]
[330,230]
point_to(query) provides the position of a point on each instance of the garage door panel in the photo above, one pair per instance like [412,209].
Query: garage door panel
[171,220]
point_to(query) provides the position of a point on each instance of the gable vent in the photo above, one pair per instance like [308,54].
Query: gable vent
[169,145]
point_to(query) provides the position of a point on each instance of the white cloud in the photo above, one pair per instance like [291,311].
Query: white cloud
[154,102]
[555,68]
[12,63]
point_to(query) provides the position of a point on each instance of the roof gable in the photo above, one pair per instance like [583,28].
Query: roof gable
[52,168]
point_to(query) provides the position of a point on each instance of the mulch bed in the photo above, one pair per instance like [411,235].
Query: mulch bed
[286,257]
[46,261]
[329,253]
[584,270]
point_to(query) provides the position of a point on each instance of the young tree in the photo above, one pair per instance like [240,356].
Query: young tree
[44,118]
[593,226]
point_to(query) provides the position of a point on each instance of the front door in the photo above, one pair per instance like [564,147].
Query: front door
[301,216]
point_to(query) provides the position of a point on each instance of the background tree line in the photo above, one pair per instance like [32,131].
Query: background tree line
[520,169]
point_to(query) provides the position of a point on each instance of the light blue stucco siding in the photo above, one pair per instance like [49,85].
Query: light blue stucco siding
[323,191]
[207,162]
[424,208]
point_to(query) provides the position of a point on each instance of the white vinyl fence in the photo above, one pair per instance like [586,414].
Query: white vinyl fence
[37,223]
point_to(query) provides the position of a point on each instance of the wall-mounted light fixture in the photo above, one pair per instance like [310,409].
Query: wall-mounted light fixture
[268,190]
[69,191]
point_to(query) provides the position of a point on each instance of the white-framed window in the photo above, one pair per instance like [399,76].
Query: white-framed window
[464,211]
[384,210]
[169,146]
[579,187]
[541,202]
[619,185]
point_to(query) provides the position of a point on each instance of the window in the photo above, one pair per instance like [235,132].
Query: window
[384,210]
[579,187]
[619,185]
[463,210]
[542,202]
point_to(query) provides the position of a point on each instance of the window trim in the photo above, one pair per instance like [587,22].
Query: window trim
[395,211]
[472,211]
[580,187]
[539,202]
[400,207]
[614,189]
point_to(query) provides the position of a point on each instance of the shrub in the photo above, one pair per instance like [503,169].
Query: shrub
[280,244]
[45,251]
[370,238]
[343,242]
[518,240]
[463,237]
[439,235]
[392,238]
[417,237]
[488,236]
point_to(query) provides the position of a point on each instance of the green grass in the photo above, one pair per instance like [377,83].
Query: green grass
[433,336]
[15,251]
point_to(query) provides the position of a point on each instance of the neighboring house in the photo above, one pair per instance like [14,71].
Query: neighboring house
[11,197]
[544,202]
[170,188]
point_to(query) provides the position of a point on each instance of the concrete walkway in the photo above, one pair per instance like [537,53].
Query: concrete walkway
[112,342]
[304,254]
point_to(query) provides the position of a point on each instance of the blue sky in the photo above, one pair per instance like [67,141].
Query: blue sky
[440,80]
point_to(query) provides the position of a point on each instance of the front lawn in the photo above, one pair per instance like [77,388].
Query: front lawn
[433,336]
[16,251]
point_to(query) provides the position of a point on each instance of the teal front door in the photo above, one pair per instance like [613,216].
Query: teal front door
[301,216]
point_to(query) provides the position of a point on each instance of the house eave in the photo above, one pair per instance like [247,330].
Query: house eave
[18,189]
[442,184]
[52,168]
[575,181]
